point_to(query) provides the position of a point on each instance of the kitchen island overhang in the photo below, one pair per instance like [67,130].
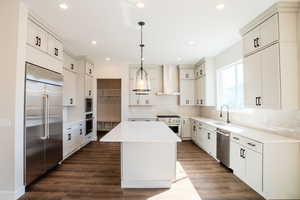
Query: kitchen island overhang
[148,154]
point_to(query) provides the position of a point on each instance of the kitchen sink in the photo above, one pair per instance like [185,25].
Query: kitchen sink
[220,123]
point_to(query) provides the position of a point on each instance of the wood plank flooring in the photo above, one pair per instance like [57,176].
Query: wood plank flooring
[93,173]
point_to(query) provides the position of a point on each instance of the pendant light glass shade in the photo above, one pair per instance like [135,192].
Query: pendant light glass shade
[142,79]
[142,82]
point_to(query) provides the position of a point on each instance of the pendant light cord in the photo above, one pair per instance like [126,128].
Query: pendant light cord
[142,52]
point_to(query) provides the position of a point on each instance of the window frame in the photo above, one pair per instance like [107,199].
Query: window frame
[219,92]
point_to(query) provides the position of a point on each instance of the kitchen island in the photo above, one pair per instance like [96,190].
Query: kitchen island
[148,154]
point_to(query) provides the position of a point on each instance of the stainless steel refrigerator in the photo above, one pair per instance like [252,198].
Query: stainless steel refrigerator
[43,121]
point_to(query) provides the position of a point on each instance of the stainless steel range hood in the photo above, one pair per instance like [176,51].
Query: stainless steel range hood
[170,81]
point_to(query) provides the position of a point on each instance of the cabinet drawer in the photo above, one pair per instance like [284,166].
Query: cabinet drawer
[237,139]
[253,145]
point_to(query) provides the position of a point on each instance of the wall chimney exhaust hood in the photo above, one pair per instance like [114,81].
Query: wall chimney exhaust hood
[170,81]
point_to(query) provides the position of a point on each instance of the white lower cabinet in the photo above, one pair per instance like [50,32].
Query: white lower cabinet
[247,163]
[73,138]
[186,128]
[207,140]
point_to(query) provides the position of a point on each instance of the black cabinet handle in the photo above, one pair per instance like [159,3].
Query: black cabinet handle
[242,153]
[256,101]
[257,42]
[201,102]
[235,138]
[259,101]
[208,136]
[90,71]
[90,92]
[80,132]
[251,144]
[72,66]
[40,42]
[69,137]
[37,41]
[56,51]
[71,101]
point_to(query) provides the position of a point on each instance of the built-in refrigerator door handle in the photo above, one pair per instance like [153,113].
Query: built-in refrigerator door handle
[45,117]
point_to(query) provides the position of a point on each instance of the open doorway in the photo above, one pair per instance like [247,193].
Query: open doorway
[108,105]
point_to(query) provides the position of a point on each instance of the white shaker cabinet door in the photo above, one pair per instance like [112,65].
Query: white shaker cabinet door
[237,162]
[269,31]
[37,37]
[252,79]
[254,170]
[270,68]
[250,41]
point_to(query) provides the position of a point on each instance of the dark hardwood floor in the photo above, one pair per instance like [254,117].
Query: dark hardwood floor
[93,173]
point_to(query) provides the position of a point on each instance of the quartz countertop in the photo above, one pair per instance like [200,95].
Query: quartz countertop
[139,131]
[251,133]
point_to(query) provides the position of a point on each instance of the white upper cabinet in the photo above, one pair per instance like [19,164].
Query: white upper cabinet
[36,36]
[55,48]
[205,82]
[88,86]
[187,74]
[271,63]
[70,63]
[42,48]
[89,69]
[187,92]
[262,36]
[69,88]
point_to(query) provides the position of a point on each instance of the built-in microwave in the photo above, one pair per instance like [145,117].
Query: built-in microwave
[88,105]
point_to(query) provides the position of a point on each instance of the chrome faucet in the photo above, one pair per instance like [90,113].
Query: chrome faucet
[221,113]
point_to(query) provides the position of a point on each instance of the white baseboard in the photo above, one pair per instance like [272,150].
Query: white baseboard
[12,195]
[146,184]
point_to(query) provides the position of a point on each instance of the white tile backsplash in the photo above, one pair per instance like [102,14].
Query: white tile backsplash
[286,123]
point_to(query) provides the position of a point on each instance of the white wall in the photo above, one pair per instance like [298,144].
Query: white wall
[12,53]
[281,122]
[165,104]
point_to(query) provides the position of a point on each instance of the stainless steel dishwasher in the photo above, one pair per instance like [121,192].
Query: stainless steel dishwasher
[223,147]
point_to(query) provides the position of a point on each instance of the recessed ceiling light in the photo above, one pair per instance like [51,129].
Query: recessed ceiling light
[192,43]
[140,5]
[108,59]
[63,6]
[220,6]
[94,42]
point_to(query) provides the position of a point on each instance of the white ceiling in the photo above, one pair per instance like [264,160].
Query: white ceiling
[170,25]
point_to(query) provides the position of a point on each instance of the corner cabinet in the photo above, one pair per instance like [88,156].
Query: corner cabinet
[271,58]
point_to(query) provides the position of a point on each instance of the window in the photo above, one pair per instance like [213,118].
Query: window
[230,86]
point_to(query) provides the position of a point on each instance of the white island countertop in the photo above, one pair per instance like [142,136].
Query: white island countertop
[157,132]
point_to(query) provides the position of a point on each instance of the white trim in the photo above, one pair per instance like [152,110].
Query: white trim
[12,195]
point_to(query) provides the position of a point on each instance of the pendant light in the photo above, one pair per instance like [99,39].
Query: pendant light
[142,79]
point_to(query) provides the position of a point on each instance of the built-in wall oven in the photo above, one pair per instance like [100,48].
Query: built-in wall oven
[89,121]
[88,105]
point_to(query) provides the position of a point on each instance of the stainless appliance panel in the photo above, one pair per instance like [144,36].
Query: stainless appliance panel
[54,125]
[43,75]
[34,130]
[43,121]
[223,147]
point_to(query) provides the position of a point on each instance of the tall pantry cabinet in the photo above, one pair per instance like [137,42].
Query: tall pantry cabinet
[271,58]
